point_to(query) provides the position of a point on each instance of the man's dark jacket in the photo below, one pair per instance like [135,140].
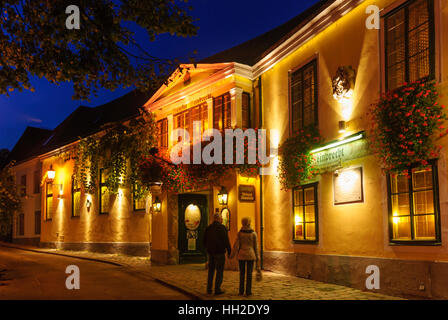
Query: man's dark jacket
[216,239]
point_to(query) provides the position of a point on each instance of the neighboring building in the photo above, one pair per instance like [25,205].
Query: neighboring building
[27,169]
[72,219]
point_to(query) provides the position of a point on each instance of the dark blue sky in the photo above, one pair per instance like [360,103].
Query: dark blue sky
[222,24]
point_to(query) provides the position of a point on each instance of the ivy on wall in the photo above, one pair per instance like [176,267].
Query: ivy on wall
[295,158]
[405,124]
[118,150]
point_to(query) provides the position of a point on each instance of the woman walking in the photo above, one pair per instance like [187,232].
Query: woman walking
[246,249]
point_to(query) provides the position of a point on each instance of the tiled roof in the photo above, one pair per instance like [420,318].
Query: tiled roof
[29,144]
[82,122]
[250,52]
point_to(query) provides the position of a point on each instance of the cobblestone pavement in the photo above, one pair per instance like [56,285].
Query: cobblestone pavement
[192,279]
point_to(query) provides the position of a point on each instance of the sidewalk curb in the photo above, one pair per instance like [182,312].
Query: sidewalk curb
[175,287]
[61,254]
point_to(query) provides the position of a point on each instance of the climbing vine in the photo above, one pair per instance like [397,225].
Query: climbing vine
[117,150]
[9,200]
[295,158]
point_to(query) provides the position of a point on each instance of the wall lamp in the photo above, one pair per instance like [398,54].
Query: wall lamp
[157,205]
[51,173]
[223,196]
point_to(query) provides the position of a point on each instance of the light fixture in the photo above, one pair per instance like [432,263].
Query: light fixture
[61,191]
[223,196]
[88,203]
[51,173]
[157,205]
[338,143]
[342,126]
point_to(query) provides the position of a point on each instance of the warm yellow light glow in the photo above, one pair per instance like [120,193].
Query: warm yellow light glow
[51,173]
[346,108]
[157,205]
[275,138]
[223,196]
[395,219]
[338,143]
[298,219]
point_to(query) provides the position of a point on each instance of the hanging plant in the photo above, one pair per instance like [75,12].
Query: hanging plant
[188,177]
[295,158]
[118,150]
[404,126]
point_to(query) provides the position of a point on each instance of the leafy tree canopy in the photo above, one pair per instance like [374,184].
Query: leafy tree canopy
[103,53]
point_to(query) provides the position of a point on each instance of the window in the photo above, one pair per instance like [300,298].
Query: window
[303,96]
[49,201]
[222,115]
[409,42]
[200,113]
[305,213]
[23,185]
[162,131]
[413,206]
[37,181]
[76,198]
[245,108]
[139,203]
[182,121]
[37,222]
[21,224]
[104,193]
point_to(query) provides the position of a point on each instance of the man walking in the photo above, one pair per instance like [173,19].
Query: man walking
[216,241]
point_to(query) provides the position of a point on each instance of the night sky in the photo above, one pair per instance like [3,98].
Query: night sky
[223,24]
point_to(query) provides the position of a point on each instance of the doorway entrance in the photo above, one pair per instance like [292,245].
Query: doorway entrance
[193,219]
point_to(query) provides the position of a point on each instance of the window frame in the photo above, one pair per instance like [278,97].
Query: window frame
[23,183]
[75,188]
[37,222]
[134,200]
[315,185]
[102,185]
[249,114]
[21,224]
[47,196]
[436,198]
[162,139]
[432,41]
[223,113]
[314,62]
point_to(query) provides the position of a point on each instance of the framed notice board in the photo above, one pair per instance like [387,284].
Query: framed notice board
[246,193]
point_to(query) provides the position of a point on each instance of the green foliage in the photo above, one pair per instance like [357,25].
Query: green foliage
[295,158]
[118,150]
[404,126]
[103,53]
[9,200]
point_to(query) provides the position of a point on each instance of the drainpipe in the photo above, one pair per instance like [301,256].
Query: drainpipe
[260,124]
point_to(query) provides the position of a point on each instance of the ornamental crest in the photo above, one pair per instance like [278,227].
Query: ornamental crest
[343,83]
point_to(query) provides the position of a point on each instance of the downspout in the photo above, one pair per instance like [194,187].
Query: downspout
[260,125]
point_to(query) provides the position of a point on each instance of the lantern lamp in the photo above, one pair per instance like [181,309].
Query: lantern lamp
[223,196]
[51,173]
[157,205]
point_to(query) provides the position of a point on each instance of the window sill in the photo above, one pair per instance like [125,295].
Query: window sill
[305,241]
[415,243]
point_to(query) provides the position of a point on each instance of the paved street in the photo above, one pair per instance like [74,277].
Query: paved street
[31,275]
[192,279]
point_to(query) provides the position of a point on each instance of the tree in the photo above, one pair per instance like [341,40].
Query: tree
[9,201]
[102,53]
[4,153]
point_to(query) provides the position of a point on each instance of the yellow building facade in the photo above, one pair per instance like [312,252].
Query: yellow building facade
[353,223]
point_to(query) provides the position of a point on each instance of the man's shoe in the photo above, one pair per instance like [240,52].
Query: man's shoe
[217,292]
[248,294]
[209,291]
